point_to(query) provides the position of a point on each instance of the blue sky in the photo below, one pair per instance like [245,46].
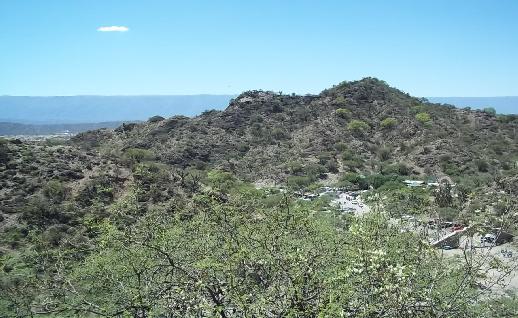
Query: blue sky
[426,48]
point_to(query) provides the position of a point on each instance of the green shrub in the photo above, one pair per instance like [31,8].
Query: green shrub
[221,180]
[299,182]
[378,180]
[279,134]
[156,119]
[490,110]
[388,123]
[332,166]
[397,169]
[358,126]
[348,155]
[4,151]
[340,146]
[359,181]
[295,167]
[136,155]
[482,165]
[418,109]
[55,191]
[315,170]
[423,117]
[340,101]
[343,113]
[384,153]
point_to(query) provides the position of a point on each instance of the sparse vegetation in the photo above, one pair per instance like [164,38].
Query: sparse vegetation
[423,117]
[200,217]
[358,126]
[388,123]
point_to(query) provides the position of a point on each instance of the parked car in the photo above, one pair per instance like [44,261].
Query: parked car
[446,224]
[488,238]
[496,238]
[457,227]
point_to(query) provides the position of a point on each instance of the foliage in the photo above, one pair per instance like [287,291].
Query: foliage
[55,191]
[238,259]
[343,113]
[358,126]
[388,123]
[4,151]
[423,117]
[221,180]
[136,155]
[490,110]
[482,165]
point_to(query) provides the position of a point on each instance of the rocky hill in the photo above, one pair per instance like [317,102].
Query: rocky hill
[363,126]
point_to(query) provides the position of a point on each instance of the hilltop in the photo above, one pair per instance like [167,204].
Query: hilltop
[355,126]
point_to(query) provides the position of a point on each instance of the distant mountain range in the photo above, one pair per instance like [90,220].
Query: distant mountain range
[16,129]
[503,104]
[27,115]
[95,109]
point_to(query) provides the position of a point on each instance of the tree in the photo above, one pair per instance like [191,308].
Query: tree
[443,195]
[248,257]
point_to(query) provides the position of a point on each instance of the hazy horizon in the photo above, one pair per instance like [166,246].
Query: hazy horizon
[42,110]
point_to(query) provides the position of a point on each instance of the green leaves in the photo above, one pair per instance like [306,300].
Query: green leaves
[423,117]
[358,126]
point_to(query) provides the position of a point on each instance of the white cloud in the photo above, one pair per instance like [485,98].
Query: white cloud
[113,28]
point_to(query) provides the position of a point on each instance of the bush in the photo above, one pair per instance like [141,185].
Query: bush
[358,126]
[55,191]
[4,151]
[136,155]
[397,169]
[156,119]
[340,146]
[332,166]
[356,179]
[378,180]
[221,180]
[482,165]
[423,118]
[343,113]
[40,212]
[299,182]
[388,123]
[348,155]
[384,153]
[279,134]
[340,101]
[315,170]
[490,110]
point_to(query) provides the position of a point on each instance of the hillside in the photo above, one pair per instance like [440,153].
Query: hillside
[208,216]
[355,126]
